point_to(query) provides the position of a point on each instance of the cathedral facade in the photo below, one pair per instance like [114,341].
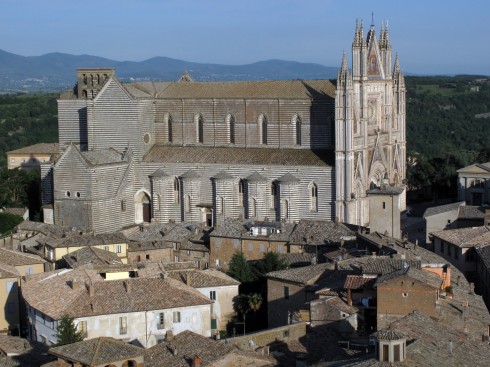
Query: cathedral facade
[190,151]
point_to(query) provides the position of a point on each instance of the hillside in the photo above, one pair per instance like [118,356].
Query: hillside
[57,71]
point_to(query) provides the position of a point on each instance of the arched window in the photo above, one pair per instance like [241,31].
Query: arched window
[263,129]
[241,188]
[200,128]
[168,121]
[230,120]
[314,197]
[176,191]
[297,129]
[187,204]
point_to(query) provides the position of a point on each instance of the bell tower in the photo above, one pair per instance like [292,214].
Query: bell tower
[370,144]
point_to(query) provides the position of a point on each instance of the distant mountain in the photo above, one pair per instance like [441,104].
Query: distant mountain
[57,71]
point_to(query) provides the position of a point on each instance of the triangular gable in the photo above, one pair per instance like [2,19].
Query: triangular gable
[110,86]
[375,66]
[359,169]
[474,168]
[71,153]
[378,154]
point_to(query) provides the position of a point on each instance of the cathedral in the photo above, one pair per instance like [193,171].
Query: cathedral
[189,151]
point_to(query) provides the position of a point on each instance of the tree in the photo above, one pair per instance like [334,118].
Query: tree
[240,268]
[270,262]
[67,332]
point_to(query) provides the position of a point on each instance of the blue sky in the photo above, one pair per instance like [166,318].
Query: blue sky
[431,36]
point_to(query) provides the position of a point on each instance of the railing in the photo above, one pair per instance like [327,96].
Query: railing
[123,330]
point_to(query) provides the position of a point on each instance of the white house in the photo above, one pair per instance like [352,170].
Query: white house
[136,310]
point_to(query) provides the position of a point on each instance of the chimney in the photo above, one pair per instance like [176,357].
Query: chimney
[127,286]
[188,278]
[472,288]
[197,361]
[169,335]
[373,254]
[91,290]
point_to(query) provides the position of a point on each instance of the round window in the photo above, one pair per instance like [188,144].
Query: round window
[68,193]
[78,194]
[146,138]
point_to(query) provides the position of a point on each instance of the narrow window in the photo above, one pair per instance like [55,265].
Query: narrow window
[123,205]
[176,316]
[170,128]
[284,209]
[231,129]
[176,191]
[200,128]
[384,205]
[212,295]
[235,243]
[262,247]
[241,187]
[123,325]
[297,130]
[161,321]
[314,198]
[286,292]
[82,326]
[250,246]
[263,129]
[221,205]
[273,196]
[187,204]
[253,213]
[118,249]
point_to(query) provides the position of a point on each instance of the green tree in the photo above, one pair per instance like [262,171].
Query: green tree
[8,221]
[270,262]
[240,268]
[67,332]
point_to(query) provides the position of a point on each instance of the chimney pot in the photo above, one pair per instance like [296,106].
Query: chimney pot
[196,362]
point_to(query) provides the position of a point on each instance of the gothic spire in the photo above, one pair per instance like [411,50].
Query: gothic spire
[358,34]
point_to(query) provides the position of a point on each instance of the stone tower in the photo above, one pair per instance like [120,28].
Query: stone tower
[369,124]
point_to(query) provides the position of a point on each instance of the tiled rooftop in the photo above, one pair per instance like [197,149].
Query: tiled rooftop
[16,258]
[309,232]
[464,237]
[91,255]
[471,212]
[40,148]
[298,89]
[303,275]
[107,296]
[87,240]
[98,351]
[238,156]
[443,209]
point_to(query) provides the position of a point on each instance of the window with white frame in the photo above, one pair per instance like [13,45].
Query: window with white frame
[118,249]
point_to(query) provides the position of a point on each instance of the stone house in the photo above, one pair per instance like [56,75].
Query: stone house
[474,184]
[401,292]
[98,352]
[335,312]
[13,266]
[251,238]
[458,247]
[137,310]
[168,242]
[290,291]
[53,249]
[483,272]
[211,283]
[33,155]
